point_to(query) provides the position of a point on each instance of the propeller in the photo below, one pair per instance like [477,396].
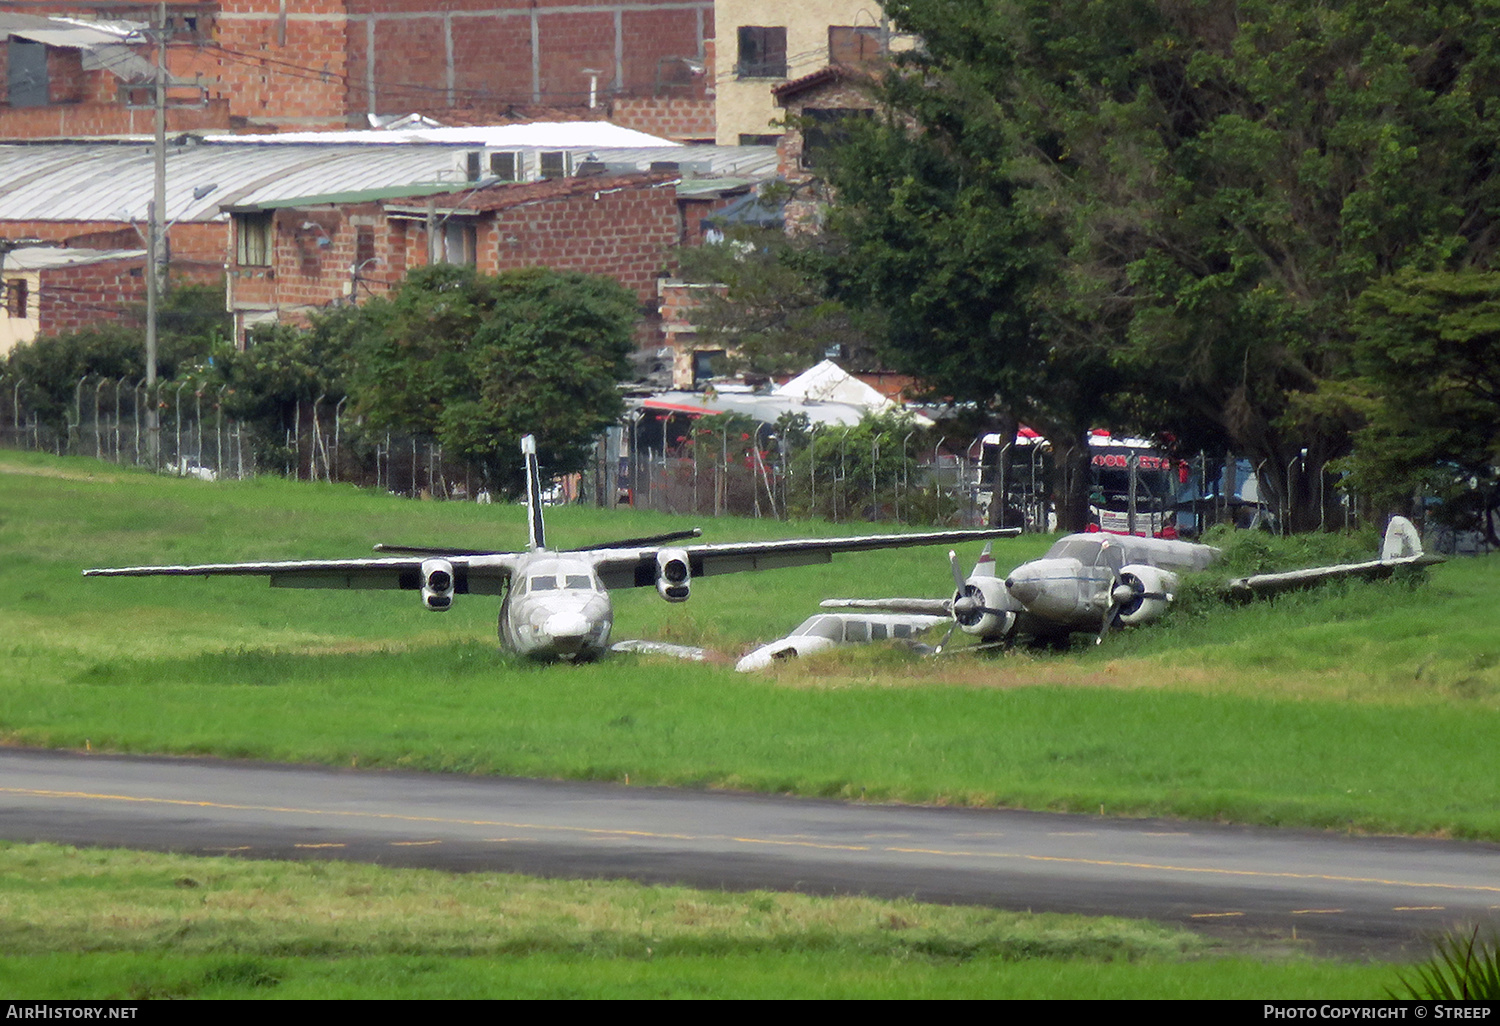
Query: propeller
[1125,596]
[968,600]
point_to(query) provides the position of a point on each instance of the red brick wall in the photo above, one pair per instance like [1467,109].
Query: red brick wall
[74,297]
[304,274]
[669,117]
[288,73]
[70,120]
[189,241]
[313,70]
[626,234]
[65,78]
[492,50]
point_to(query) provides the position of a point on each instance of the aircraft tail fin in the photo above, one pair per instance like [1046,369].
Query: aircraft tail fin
[1401,540]
[536,530]
[986,565]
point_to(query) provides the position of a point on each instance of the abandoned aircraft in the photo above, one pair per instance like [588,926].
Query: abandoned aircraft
[829,630]
[1098,582]
[556,603]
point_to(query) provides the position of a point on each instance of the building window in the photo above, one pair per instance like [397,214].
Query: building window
[364,245]
[555,163]
[26,74]
[762,52]
[853,45]
[825,131]
[15,297]
[746,139]
[505,166]
[253,239]
[459,243]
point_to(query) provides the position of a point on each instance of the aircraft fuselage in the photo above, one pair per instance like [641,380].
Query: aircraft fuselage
[556,609]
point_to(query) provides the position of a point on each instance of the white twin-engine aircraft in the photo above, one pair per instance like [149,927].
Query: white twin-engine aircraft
[556,602]
[1098,582]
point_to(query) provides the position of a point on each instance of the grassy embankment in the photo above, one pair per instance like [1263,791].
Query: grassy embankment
[1370,706]
[77,924]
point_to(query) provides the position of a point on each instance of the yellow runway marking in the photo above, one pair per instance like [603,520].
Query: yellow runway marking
[329,845]
[603,832]
[1316,911]
[1421,908]
[412,844]
[1215,915]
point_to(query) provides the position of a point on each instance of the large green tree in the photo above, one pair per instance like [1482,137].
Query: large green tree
[1428,352]
[1189,195]
[476,362]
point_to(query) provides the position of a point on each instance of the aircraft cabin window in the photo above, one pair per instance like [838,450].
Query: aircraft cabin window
[820,627]
[856,631]
[901,630]
[877,632]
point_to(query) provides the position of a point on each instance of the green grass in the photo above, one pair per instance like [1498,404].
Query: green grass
[127,925]
[1367,706]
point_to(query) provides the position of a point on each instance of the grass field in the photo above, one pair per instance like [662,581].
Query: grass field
[95,924]
[1369,706]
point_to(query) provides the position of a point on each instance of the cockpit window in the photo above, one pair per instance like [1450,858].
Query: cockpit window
[821,627]
[543,584]
[578,582]
[1089,552]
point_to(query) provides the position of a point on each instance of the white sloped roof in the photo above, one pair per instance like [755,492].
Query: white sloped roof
[111,180]
[569,135]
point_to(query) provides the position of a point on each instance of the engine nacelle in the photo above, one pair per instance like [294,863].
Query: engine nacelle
[1153,590]
[995,619]
[673,574]
[437,584]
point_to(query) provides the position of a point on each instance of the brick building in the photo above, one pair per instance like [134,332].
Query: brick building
[261,65]
[296,256]
[46,290]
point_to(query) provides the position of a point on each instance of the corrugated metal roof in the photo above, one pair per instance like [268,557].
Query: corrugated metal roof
[41,258]
[112,180]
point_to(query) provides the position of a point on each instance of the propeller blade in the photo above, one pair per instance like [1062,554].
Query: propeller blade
[958,576]
[944,643]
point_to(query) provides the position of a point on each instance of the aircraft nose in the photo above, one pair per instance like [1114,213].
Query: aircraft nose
[566,626]
[1023,586]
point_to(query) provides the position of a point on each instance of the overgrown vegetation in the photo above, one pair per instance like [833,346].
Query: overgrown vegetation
[1463,967]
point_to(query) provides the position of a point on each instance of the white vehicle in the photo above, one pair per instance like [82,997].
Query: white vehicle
[829,630]
[556,603]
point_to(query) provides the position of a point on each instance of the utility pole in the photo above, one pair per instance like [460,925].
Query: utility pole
[155,210]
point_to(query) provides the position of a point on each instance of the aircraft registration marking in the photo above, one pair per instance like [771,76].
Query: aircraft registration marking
[653,835]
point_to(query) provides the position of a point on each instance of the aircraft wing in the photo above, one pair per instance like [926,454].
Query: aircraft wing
[912,606]
[636,567]
[485,574]
[1262,585]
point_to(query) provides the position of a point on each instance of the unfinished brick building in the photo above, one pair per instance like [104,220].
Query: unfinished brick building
[292,258]
[270,65]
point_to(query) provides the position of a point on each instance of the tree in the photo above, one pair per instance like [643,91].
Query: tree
[476,362]
[772,309]
[1186,197]
[283,370]
[1428,352]
[194,328]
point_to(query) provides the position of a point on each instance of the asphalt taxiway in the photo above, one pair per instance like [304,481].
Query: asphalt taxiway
[1377,896]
